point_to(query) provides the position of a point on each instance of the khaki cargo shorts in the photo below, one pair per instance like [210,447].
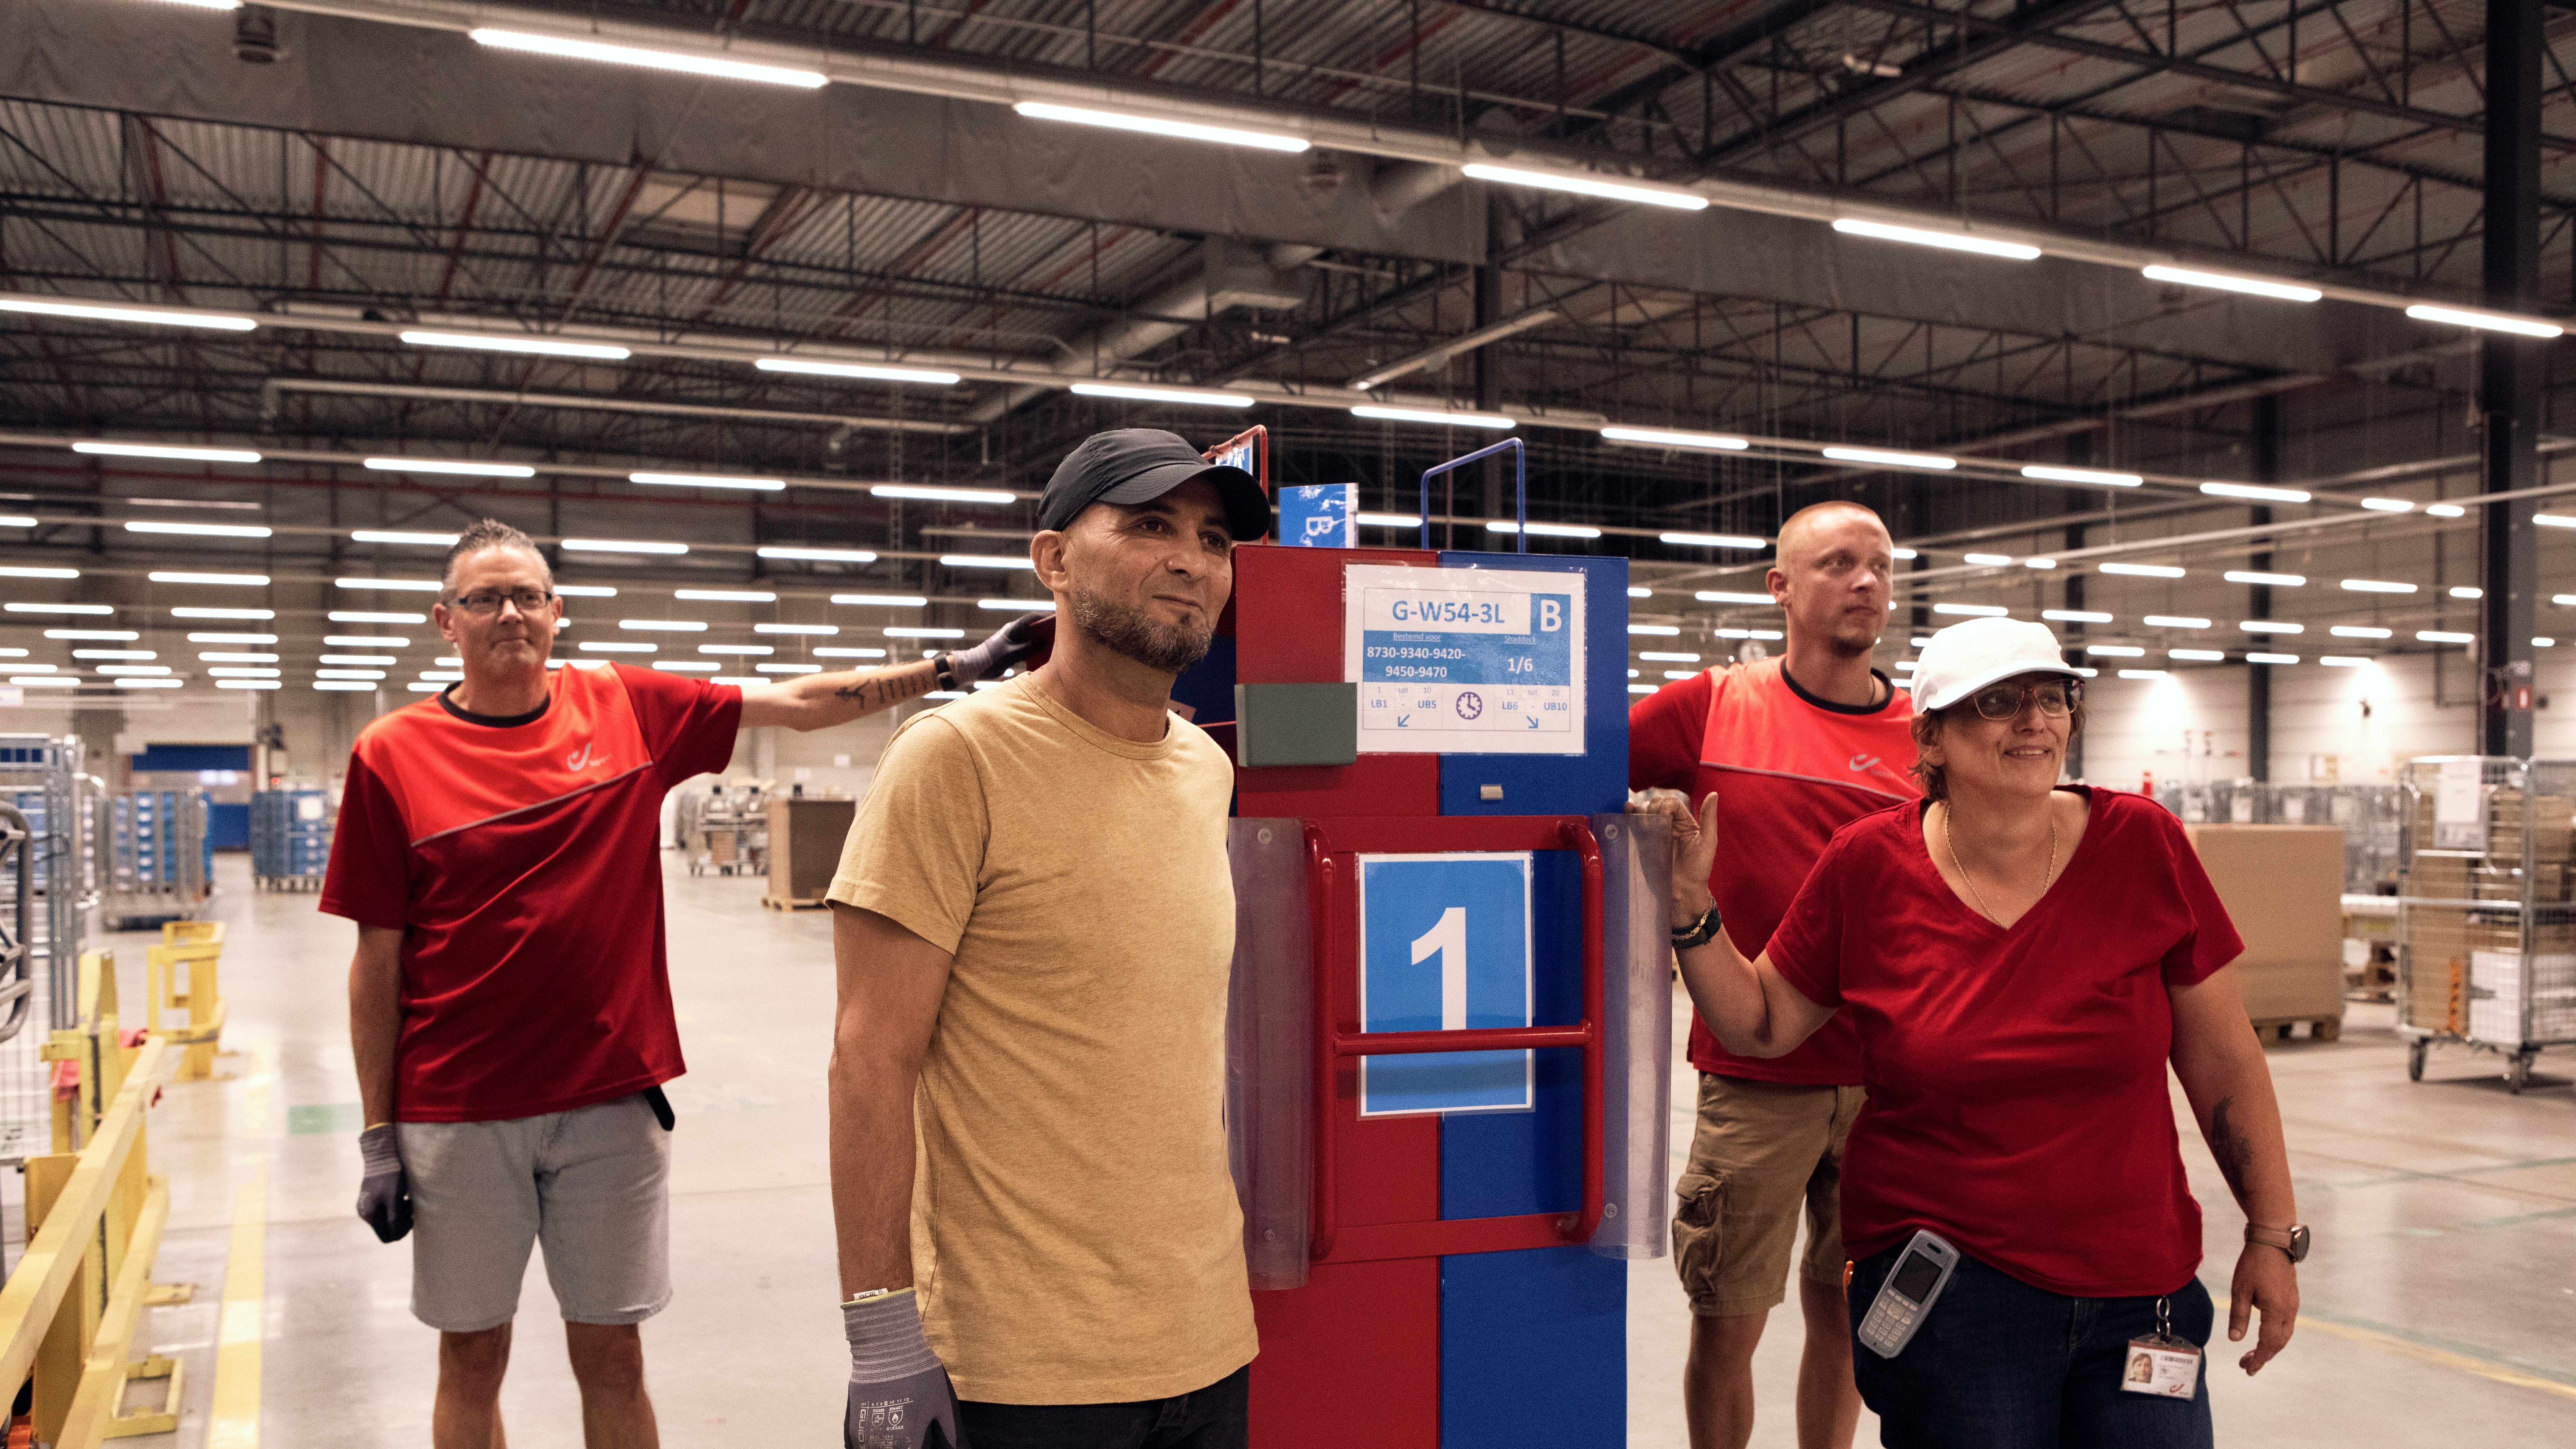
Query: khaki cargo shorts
[1760,1151]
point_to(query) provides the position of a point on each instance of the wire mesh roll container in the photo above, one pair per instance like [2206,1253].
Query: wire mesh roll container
[47,889]
[2486,929]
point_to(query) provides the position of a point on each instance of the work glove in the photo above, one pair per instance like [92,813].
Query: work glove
[384,1194]
[899,1395]
[1005,647]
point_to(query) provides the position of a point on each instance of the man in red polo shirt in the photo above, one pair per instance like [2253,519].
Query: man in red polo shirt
[510,1007]
[1795,747]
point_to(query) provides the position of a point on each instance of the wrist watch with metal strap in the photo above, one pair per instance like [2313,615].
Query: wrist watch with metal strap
[2292,1240]
[1698,933]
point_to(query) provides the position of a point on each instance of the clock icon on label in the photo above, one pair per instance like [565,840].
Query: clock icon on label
[1470,704]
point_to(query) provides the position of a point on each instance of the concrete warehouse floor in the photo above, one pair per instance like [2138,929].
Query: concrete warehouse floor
[2440,1304]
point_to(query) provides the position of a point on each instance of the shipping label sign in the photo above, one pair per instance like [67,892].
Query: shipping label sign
[1468,661]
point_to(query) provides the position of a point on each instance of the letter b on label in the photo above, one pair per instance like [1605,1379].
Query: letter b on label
[1551,615]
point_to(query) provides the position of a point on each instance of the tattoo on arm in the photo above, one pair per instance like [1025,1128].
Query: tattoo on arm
[880,688]
[2230,1147]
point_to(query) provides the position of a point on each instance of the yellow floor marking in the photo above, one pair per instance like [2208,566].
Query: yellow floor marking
[2423,1351]
[235,1424]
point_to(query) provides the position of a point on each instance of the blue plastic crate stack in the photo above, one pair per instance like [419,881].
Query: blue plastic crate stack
[290,839]
[160,858]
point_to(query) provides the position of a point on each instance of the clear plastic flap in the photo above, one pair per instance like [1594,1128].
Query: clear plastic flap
[1269,1048]
[1637,999]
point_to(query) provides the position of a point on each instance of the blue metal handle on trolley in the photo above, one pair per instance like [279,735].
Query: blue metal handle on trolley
[1520,487]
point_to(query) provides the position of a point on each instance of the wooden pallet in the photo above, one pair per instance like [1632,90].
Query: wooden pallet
[2320,1028]
[776,904]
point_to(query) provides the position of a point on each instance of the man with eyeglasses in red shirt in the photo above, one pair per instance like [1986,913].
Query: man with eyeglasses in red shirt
[510,1004]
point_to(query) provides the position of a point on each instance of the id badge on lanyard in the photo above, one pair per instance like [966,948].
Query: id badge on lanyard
[2159,1363]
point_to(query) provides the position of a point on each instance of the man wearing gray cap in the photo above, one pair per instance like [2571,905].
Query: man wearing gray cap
[1032,926]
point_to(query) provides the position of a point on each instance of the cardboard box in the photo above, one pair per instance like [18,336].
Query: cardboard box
[2283,887]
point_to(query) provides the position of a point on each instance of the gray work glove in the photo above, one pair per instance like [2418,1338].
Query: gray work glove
[384,1195]
[899,1395]
[1005,647]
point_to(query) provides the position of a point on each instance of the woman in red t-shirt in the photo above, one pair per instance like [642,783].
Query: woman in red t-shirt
[2021,962]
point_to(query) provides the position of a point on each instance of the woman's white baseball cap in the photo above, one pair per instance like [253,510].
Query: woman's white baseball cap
[1965,658]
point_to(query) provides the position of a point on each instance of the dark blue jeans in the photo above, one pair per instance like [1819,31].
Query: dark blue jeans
[1215,1417]
[1998,1364]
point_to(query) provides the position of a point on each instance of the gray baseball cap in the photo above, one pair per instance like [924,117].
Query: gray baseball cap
[1138,465]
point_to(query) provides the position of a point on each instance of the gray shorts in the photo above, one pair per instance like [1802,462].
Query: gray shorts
[592,1185]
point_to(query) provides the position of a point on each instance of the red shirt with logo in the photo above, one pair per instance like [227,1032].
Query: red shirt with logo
[521,860]
[1789,770]
[2017,1098]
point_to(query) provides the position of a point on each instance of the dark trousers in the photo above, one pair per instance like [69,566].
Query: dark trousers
[1215,1417]
[1999,1364]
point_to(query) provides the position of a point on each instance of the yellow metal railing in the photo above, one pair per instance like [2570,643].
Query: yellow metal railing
[70,1312]
[194,946]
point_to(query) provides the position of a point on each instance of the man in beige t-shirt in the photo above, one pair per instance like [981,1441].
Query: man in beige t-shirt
[1033,922]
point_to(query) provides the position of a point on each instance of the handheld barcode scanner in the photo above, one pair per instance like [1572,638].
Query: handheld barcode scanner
[1922,1271]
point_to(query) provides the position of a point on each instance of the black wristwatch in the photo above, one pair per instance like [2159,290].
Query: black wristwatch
[943,668]
[1698,933]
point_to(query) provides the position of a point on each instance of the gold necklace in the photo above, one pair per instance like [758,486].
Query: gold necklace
[2046,877]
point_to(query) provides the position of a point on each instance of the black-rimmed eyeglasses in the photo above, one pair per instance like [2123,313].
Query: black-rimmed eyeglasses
[528,600]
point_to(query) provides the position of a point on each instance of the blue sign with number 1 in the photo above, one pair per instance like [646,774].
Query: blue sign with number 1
[1445,946]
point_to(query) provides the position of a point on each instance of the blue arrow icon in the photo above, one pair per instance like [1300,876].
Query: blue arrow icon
[1533,720]
[1402,720]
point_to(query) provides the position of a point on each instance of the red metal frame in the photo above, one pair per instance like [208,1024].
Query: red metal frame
[1332,885]
[1259,436]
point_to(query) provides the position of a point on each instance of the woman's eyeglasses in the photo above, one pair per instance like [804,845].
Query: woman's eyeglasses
[2055,698]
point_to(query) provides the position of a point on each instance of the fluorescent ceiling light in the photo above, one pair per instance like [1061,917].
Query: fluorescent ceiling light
[361,616]
[33,573]
[2445,636]
[1200,396]
[2388,505]
[1981,611]
[1902,553]
[247,683]
[824,629]
[2553,520]
[1660,631]
[2444,510]
[2142,674]
[664,626]
[2542,641]
[337,641]
[2117,651]
[1932,461]
[149,684]
[327,658]
[2254,491]
[444,465]
[1987,559]
[1668,438]
[2282,291]
[1587,183]
[1666,657]
[620,646]
[121,634]
[1386,520]
[1651,688]
[899,632]
[891,601]
[1681,674]
[942,495]
[155,450]
[1729,596]
[68,681]
[238,672]
[2175,621]
[175,576]
[2342,661]
[381,535]
[849,654]
[1637,593]
[789,668]
[622,545]
[2360,631]
[872,371]
[1017,606]
[2487,321]
[1550,530]
[345,684]
[2467,591]
[1949,240]
[417,586]
[2278,581]
[137,669]
[59,608]
[2082,475]
[543,346]
[1434,416]
[707,480]
[692,666]
[650,59]
[2039,563]
[2271,626]
[727,596]
[985,561]
[2256,658]
[202,530]
[586,591]
[441,676]
[2377,586]
[822,555]
[2071,616]
[1710,540]
[112,654]
[1160,126]
[96,312]
[2206,656]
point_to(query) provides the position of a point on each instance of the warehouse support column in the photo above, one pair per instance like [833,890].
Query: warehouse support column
[2258,677]
[2509,371]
